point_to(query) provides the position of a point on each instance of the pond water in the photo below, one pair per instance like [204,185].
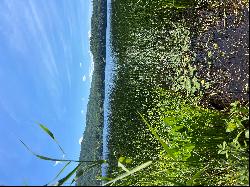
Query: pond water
[108,85]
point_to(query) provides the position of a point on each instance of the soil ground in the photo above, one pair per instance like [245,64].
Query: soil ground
[222,49]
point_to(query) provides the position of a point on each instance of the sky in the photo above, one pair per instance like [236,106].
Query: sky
[45,76]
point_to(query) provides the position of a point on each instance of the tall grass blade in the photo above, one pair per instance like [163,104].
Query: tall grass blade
[165,146]
[122,166]
[59,173]
[55,159]
[47,131]
[63,180]
[136,169]
[27,147]
[197,175]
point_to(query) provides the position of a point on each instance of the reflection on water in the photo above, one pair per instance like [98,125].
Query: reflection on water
[108,84]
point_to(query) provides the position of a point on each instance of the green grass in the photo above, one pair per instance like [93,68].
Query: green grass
[187,148]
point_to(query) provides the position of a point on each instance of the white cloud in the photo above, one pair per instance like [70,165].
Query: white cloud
[19,18]
[82,111]
[39,27]
[89,34]
[57,162]
[33,20]
[91,69]
[80,140]
[84,78]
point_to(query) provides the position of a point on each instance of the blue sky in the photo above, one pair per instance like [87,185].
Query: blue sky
[45,75]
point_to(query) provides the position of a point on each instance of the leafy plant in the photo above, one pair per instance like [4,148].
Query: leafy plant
[60,182]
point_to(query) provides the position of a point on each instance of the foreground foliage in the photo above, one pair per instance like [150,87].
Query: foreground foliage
[197,139]
[157,74]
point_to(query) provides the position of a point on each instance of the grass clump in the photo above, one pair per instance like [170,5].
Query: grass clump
[192,145]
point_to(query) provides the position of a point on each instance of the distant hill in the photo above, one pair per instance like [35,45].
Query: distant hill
[91,147]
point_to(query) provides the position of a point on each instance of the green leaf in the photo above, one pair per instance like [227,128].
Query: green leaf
[220,146]
[27,147]
[46,158]
[169,121]
[40,156]
[190,148]
[55,159]
[136,169]
[47,131]
[121,159]
[122,166]
[207,85]
[227,154]
[235,104]
[197,175]
[244,110]
[231,126]
[247,134]
[222,152]
[237,137]
[128,160]
[224,145]
[196,83]
[59,173]
[176,128]
[63,180]
[165,146]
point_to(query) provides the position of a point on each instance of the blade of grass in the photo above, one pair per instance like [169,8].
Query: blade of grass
[59,173]
[136,169]
[165,146]
[63,180]
[55,159]
[197,175]
[47,131]
[122,166]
